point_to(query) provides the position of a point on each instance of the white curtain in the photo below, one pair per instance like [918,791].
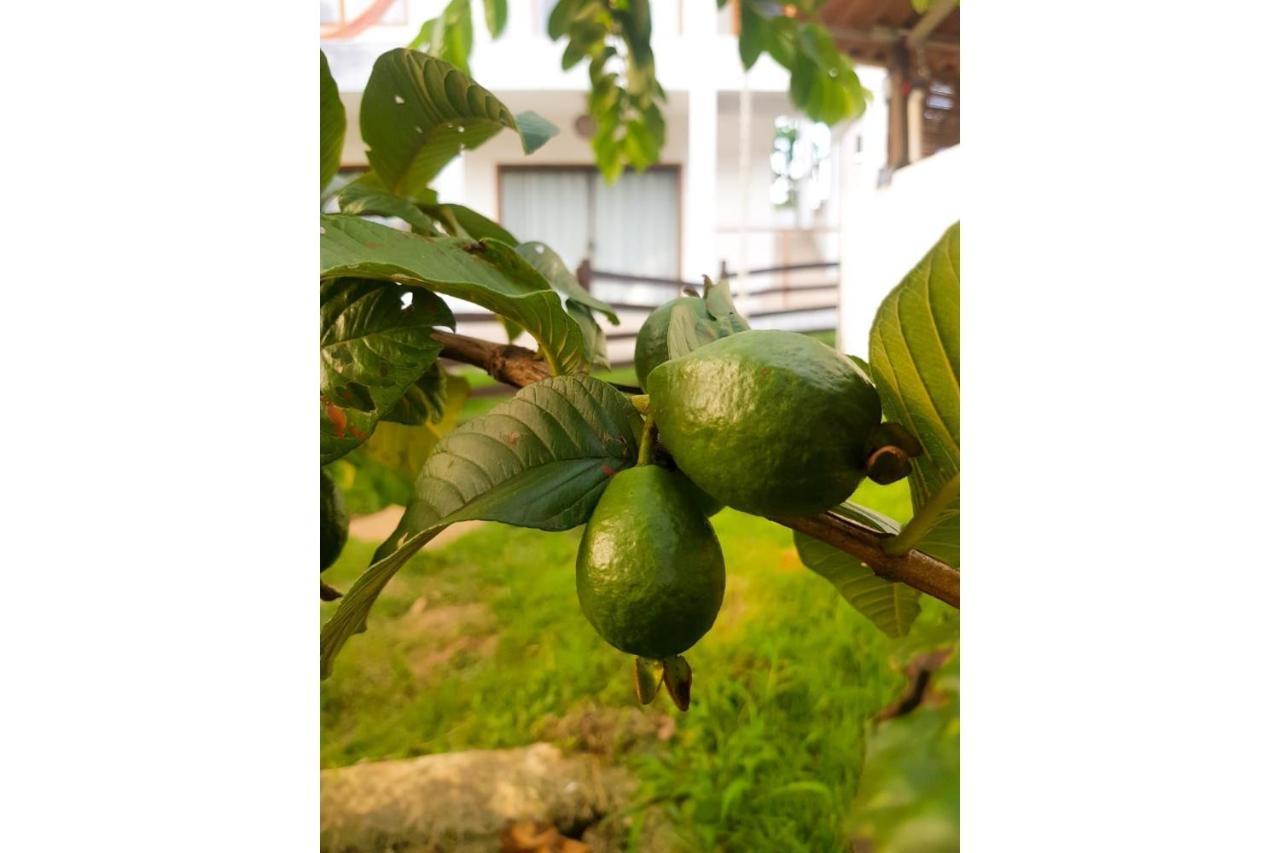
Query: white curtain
[636,227]
[549,205]
[630,227]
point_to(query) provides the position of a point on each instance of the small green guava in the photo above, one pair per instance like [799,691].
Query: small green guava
[650,572]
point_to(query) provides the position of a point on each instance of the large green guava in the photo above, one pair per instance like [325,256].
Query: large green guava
[333,521]
[650,571]
[767,422]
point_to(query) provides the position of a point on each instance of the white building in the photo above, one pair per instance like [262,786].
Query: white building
[707,206]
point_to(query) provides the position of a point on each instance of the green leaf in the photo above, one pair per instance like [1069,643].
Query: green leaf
[534,130]
[366,196]
[891,607]
[333,125]
[689,328]
[552,267]
[561,14]
[372,349]
[372,345]
[423,401]
[465,222]
[342,429]
[753,35]
[719,299]
[867,517]
[593,337]
[488,273]
[495,16]
[915,361]
[403,448]
[540,460]
[448,36]
[419,112]
[458,36]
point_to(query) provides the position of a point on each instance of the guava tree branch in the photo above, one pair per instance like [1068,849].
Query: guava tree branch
[518,367]
[916,569]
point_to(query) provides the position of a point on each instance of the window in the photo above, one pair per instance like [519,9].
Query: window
[630,227]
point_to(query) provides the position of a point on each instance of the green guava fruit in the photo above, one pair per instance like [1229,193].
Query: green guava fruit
[767,422]
[651,340]
[650,570]
[707,505]
[333,521]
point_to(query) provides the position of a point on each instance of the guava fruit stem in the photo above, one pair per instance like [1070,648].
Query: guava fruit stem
[645,456]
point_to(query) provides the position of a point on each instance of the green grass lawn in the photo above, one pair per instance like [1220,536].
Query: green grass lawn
[481,644]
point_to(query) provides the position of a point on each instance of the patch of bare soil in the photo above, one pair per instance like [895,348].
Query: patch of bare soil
[607,731]
[453,629]
[376,527]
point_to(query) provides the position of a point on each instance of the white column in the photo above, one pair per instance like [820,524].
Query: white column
[741,282]
[698,237]
[859,173]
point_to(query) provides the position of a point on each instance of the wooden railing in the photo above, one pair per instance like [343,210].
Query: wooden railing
[589,276]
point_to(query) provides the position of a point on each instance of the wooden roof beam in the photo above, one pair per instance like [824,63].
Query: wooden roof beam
[937,13]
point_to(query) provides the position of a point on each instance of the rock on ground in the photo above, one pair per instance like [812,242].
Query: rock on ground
[462,801]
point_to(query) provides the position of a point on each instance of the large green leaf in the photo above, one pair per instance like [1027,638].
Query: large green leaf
[372,345]
[372,349]
[488,273]
[419,112]
[915,360]
[333,125]
[540,460]
[891,607]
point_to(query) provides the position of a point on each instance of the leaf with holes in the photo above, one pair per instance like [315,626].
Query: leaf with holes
[540,460]
[891,607]
[488,273]
[419,112]
[372,349]
[372,345]
[333,125]
[915,360]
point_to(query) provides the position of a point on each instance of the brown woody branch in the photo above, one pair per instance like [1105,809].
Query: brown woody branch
[519,367]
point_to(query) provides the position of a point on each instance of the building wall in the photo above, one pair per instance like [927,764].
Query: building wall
[886,229]
[697,64]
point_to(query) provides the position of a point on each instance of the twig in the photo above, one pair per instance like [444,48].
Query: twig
[919,673]
[518,367]
[507,363]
